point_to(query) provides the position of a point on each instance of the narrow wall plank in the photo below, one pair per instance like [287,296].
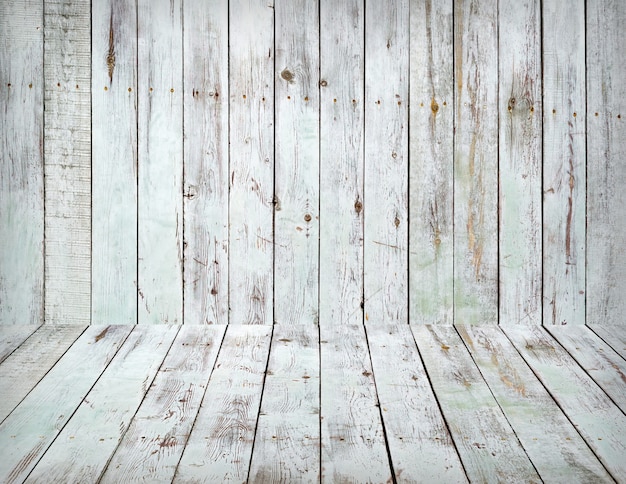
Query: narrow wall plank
[296,252]
[519,87]
[35,423]
[287,440]
[23,369]
[606,171]
[251,240]
[11,337]
[67,129]
[614,336]
[220,443]
[205,162]
[386,160]
[419,442]
[564,164]
[488,447]
[160,134]
[431,163]
[157,435]
[84,446]
[353,439]
[476,162]
[554,446]
[21,169]
[598,420]
[114,162]
[342,47]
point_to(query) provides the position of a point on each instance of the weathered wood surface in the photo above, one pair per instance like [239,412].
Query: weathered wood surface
[431,144]
[598,420]
[489,449]
[564,162]
[220,444]
[476,162]
[21,163]
[386,160]
[418,439]
[613,335]
[205,162]
[552,443]
[606,170]
[11,337]
[297,160]
[251,108]
[342,50]
[67,152]
[287,441]
[519,162]
[114,162]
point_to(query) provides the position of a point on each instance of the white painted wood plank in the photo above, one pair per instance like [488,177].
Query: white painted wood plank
[220,444]
[114,162]
[251,86]
[614,336]
[11,337]
[552,443]
[205,161]
[35,423]
[419,442]
[488,447]
[23,369]
[297,104]
[564,162]
[431,143]
[597,358]
[287,441]
[342,45]
[606,171]
[67,130]
[386,160]
[157,435]
[598,420]
[160,155]
[476,162]
[353,438]
[520,199]
[21,169]
[84,446]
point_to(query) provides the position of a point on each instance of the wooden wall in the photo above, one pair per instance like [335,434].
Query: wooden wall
[298,161]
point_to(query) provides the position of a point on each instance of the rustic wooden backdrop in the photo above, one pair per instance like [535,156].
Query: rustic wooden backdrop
[298,161]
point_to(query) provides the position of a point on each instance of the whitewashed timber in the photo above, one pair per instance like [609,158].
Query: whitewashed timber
[613,335]
[12,337]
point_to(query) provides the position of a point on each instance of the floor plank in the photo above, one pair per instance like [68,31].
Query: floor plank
[487,445]
[157,436]
[554,446]
[287,442]
[353,440]
[21,371]
[597,418]
[84,446]
[35,423]
[12,336]
[419,442]
[220,444]
[614,336]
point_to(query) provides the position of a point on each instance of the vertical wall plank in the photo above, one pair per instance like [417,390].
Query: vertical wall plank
[476,162]
[564,170]
[251,161]
[160,135]
[114,162]
[342,45]
[386,160]
[296,252]
[431,143]
[67,128]
[206,161]
[520,238]
[21,165]
[606,170]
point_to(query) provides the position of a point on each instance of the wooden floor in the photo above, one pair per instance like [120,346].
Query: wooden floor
[347,403]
